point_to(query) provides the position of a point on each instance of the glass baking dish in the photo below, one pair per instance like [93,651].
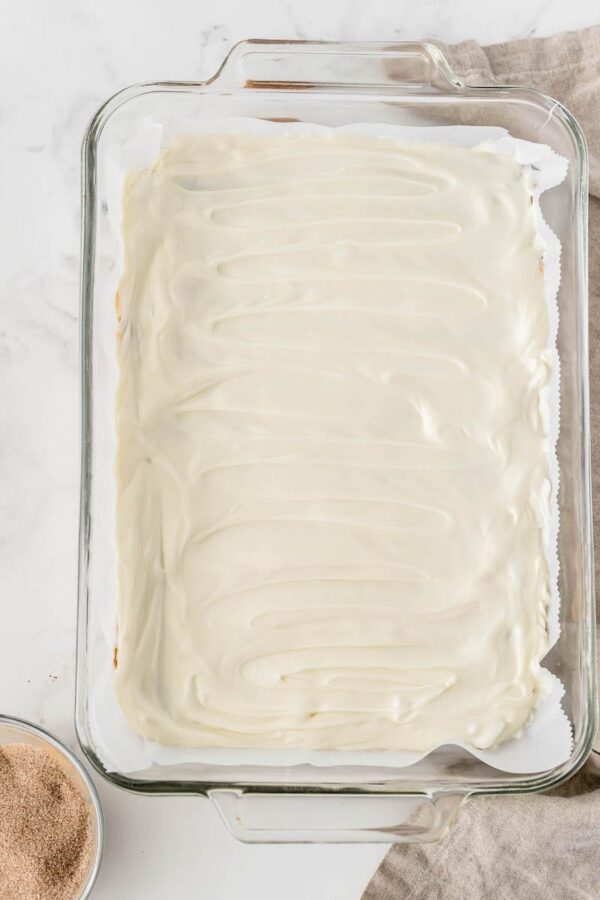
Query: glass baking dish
[334,84]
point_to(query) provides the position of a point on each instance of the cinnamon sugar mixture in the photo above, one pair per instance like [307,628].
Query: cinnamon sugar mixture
[45,827]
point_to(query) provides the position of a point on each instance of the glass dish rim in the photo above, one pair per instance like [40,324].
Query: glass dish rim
[453,87]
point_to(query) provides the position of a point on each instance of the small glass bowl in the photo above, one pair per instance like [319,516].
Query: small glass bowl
[18,731]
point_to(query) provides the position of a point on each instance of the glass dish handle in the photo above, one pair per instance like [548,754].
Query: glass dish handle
[296,65]
[255,817]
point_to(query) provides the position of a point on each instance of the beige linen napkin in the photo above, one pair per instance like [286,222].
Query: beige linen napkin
[544,845]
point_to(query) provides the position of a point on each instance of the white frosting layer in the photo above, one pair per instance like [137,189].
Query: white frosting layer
[333,451]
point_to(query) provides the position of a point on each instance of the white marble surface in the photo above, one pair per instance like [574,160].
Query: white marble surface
[58,60]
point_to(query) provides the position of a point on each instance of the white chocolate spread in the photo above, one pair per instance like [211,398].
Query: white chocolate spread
[333,479]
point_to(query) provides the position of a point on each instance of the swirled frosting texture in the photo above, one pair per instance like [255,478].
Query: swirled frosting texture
[333,481]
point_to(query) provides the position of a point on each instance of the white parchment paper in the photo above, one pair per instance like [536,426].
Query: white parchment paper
[546,740]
